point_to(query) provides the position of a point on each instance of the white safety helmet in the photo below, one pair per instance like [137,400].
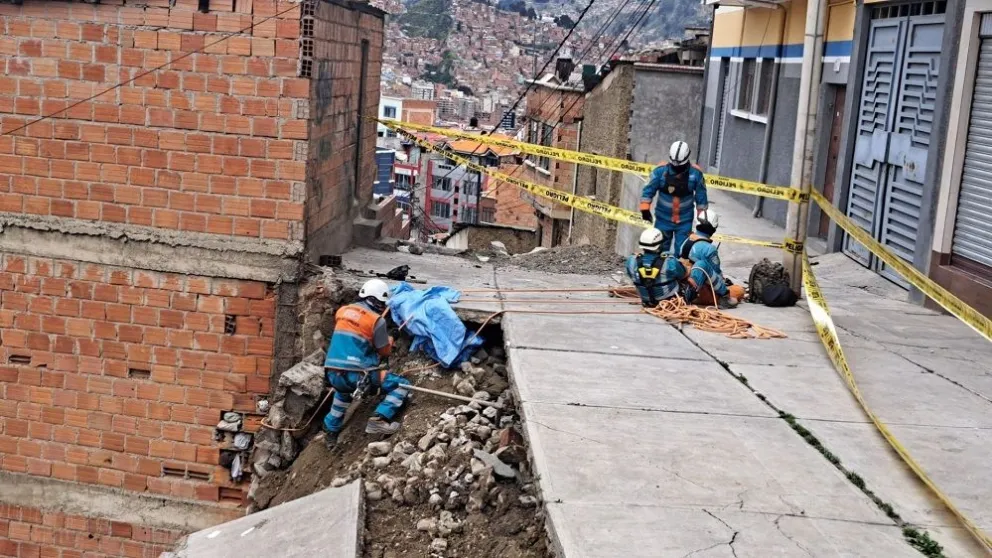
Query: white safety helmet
[708,216]
[679,153]
[375,288]
[651,240]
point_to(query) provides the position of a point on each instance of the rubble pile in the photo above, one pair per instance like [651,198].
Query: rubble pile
[320,299]
[582,260]
[455,481]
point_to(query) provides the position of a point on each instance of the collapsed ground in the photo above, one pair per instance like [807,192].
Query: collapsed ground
[454,481]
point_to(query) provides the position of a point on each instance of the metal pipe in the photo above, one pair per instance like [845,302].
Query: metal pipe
[453,396]
[805,143]
[766,145]
[706,84]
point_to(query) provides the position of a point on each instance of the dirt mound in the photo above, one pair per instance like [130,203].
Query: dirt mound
[583,260]
[453,482]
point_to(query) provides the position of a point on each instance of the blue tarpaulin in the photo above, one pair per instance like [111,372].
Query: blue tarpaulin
[435,327]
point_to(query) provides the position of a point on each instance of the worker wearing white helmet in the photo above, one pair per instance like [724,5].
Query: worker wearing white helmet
[359,341]
[706,284]
[681,193]
[656,275]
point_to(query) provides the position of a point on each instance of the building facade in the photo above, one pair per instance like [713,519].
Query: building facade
[620,119]
[390,108]
[422,90]
[899,130]
[151,245]
[419,112]
[554,111]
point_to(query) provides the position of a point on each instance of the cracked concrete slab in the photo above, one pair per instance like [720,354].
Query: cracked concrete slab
[681,532]
[636,383]
[666,459]
[600,334]
[326,523]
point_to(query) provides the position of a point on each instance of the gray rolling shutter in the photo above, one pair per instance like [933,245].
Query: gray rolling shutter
[973,226]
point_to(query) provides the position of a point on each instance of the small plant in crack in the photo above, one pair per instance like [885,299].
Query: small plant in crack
[856,480]
[742,378]
[923,542]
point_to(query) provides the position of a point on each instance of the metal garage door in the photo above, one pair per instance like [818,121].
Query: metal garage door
[972,233]
[895,115]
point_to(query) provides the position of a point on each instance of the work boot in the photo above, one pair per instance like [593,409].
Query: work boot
[378,425]
[726,302]
[330,439]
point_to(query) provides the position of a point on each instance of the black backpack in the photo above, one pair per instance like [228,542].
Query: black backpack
[769,285]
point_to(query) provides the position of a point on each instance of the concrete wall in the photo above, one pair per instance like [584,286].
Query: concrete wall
[517,241]
[666,107]
[341,164]
[605,129]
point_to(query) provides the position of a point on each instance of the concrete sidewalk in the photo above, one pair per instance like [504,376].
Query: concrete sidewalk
[650,441]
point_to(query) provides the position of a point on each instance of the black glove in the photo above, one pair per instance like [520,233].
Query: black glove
[646,215]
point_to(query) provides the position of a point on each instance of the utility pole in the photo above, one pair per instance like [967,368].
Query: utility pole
[797,220]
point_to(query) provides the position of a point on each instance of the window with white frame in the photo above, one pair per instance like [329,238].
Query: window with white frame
[442,183]
[541,134]
[389,112]
[440,209]
[754,88]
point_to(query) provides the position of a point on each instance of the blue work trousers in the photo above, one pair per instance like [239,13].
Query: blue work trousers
[680,232]
[703,269]
[345,383]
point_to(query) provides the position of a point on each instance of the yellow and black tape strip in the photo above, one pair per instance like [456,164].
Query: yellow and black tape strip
[828,335]
[601,161]
[927,286]
[578,202]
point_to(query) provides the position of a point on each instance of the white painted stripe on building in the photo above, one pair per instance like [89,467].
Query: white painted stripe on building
[835,59]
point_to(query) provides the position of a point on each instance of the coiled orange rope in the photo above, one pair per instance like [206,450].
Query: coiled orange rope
[675,310]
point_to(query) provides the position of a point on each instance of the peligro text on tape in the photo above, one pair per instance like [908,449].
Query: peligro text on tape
[583,204]
[831,342]
[927,286]
[610,163]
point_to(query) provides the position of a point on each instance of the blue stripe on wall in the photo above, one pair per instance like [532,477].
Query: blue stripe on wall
[830,48]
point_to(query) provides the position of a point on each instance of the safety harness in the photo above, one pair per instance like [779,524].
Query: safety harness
[649,274]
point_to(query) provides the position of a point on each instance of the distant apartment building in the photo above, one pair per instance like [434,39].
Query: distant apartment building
[554,109]
[418,111]
[389,108]
[422,90]
[447,108]
[454,192]
[620,119]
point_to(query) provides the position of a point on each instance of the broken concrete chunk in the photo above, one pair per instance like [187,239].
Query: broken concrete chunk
[447,523]
[373,491]
[232,417]
[379,449]
[428,525]
[435,500]
[229,426]
[439,453]
[465,387]
[528,501]
[339,482]
[490,413]
[427,440]
[381,462]
[405,448]
[439,545]
[500,469]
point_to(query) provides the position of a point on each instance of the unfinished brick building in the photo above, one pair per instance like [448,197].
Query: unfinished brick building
[151,242]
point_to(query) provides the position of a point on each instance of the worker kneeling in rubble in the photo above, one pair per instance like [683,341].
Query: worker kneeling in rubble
[655,274]
[706,285]
[360,339]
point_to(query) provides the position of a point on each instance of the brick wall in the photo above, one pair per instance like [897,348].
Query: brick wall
[560,108]
[29,532]
[117,377]
[208,144]
[347,49]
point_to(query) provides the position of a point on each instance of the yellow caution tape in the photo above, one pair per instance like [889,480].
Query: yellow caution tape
[927,286]
[828,335]
[602,161]
[604,210]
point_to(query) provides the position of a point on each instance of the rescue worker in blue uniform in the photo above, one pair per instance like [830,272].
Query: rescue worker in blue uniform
[359,341]
[706,285]
[681,193]
[656,275]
